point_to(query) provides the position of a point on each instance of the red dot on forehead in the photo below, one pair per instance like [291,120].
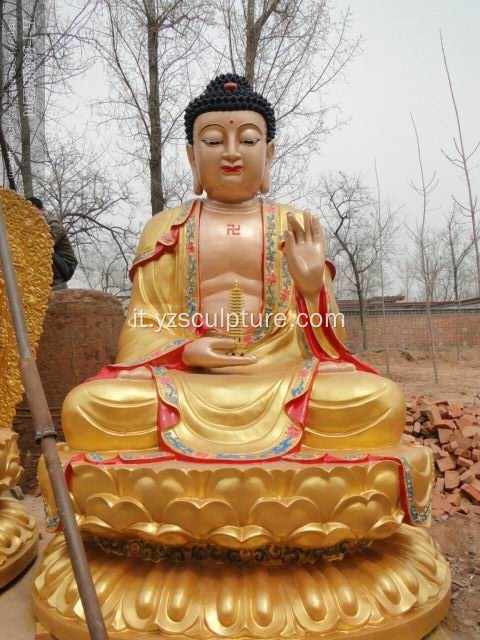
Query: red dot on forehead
[231,121]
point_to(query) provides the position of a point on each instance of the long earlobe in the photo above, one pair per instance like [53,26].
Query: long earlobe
[197,185]
[265,186]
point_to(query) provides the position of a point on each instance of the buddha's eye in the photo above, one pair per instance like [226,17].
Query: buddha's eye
[250,141]
[211,143]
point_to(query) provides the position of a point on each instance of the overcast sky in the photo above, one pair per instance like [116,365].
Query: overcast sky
[399,71]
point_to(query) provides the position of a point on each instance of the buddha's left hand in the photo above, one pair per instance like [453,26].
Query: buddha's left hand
[305,253]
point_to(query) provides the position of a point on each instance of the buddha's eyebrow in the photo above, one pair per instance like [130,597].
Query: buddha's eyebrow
[251,124]
[211,124]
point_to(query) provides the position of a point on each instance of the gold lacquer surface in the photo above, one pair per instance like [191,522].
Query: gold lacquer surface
[10,469]
[161,436]
[233,410]
[18,539]
[398,586]
[31,249]
[243,507]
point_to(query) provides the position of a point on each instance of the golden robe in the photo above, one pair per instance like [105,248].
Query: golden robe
[256,412]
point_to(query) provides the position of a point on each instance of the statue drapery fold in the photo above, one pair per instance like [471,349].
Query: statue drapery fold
[267,401]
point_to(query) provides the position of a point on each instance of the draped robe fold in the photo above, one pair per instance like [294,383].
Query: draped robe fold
[255,412]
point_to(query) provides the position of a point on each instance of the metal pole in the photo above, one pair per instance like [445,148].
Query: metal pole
[46,434]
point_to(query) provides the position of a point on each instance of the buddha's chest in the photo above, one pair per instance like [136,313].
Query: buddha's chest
[231,244]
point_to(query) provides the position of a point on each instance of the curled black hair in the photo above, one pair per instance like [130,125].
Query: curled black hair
[229,92]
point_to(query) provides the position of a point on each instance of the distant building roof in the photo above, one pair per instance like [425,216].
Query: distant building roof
[398,302]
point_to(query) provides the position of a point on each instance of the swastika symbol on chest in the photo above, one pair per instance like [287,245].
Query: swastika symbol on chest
[233,230]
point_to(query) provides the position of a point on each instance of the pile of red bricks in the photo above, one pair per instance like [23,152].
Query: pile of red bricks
[453,434]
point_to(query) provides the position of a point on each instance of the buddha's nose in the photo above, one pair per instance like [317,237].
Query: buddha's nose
[232,152]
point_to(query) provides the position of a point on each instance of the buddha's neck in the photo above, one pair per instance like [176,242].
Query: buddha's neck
[225,208]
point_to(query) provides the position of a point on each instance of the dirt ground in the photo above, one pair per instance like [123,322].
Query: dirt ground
[458,536]
[458,380]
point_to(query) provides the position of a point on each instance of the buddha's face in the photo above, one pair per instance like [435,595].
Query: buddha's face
[230,157]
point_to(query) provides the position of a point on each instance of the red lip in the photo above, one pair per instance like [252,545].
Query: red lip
[232,169]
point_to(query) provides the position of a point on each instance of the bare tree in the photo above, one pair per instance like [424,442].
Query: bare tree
[381,258]
[458,247]
[102,267]
[290,50]
[461,160]
[351,216]
[25,133]
[39,55]
[405,270]
[147,47]
[437,266]
[80,191]
[423,242]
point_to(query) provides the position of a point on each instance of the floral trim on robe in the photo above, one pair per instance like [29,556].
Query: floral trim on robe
[178,235]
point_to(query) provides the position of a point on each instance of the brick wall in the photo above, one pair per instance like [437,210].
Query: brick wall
[407,330]
[80,335]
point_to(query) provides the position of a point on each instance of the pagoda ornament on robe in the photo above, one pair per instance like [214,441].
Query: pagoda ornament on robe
[241,479]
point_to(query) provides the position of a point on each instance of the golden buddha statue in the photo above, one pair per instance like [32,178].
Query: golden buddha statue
[265,443]
[175,386]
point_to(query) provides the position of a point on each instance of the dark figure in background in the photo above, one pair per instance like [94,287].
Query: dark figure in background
[64,261]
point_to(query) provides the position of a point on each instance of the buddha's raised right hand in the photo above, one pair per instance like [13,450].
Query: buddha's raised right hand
[208,352]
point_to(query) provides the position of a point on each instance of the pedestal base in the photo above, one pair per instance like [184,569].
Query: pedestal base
[398,588]
[18,539]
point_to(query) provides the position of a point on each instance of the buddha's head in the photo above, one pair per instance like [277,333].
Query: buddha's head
[229,130]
